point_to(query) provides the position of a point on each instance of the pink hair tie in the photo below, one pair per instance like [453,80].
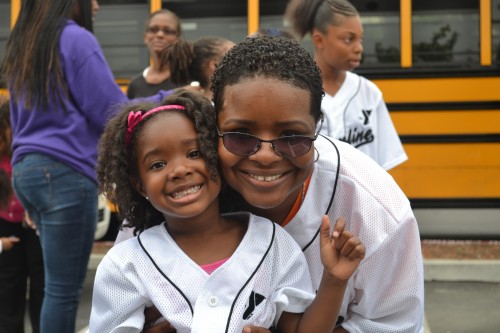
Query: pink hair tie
[134,118]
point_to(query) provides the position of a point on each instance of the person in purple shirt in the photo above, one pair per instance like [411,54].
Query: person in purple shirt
[62,93]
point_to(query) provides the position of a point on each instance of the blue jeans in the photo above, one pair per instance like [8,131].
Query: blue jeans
[63,204]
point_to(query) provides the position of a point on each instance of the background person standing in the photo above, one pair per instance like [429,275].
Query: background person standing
[162,29]
[20,252]
[355,111]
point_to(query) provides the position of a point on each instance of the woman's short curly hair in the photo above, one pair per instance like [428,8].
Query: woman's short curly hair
[271,57]
[117,162]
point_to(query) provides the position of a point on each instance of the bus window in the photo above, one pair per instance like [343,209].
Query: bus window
[445,33]
[119,27]
[224,18]
[381,41]
[495,18]
[271,17]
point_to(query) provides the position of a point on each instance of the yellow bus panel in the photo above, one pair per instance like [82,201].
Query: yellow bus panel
[446,122]
[456,170]
[429,90]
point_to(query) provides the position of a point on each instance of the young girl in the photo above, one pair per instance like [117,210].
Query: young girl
[196,61]
[191,61]
[205,272]
[20,252]
[354,108]
[11,211]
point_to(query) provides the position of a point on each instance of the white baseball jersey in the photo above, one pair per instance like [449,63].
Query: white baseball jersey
[267,274]
[386,293]
[357,114]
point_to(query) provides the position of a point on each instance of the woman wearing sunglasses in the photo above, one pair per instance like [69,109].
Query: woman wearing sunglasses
[267,95]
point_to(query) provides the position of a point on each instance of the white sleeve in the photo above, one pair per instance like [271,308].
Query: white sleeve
[389,286]
[294,292]
[390,150]
[117,301]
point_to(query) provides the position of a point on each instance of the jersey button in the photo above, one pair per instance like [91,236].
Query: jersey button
[213,301]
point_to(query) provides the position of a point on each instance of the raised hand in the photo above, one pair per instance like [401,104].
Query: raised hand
[341,252]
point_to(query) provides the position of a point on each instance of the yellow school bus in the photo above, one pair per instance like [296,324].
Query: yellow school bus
[436,62]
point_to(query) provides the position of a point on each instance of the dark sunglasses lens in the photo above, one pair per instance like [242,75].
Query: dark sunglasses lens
[293,146]
[240,144]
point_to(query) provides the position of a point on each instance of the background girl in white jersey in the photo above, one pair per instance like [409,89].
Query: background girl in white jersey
[203,271]
[354,107]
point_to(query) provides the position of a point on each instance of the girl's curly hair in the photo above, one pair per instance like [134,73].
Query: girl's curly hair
[117,162]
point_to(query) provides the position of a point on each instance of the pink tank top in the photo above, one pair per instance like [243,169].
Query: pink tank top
[209,268]
[14,212]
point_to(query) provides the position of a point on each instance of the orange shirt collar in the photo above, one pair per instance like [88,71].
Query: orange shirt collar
[298,201]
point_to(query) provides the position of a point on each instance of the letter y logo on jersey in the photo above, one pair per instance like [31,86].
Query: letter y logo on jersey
[254,300]
[366,115]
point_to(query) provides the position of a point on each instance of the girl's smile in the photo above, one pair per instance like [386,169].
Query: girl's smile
[172,171]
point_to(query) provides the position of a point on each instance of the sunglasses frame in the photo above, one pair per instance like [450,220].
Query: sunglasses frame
[276,150]
[166,31]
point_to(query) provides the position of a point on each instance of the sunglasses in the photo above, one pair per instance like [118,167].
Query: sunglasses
[285,146]
[166,31]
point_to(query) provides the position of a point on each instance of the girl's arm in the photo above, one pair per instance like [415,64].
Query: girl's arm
[341,254]
[117,301]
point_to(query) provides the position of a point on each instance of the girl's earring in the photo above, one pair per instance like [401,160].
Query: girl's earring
[316,152]
[147,198]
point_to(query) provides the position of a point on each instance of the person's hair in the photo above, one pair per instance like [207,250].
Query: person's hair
[117,162]
[178,56]
[5,127]
[31,64]
[277,58]
[187,61]
[206,49]
[306,15]
[164,11]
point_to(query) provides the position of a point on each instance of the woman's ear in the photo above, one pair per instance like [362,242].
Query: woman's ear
[137,184]
[317,38]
